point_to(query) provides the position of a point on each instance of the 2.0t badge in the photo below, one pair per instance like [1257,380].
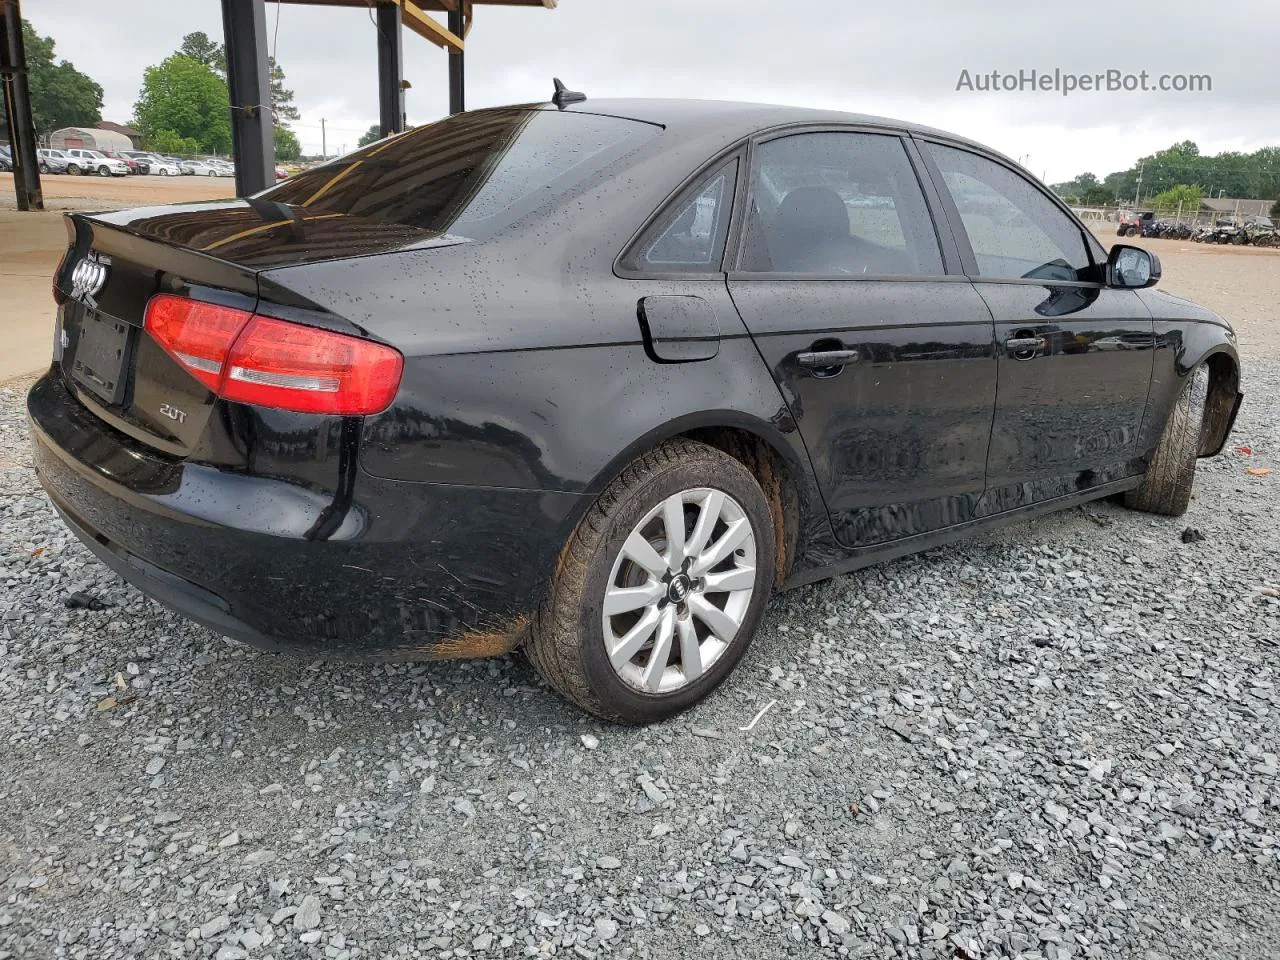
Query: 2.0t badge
[173,413]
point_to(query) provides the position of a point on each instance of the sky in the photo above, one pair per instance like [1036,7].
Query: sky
[903,60]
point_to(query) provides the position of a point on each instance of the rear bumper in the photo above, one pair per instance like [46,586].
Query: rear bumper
[410,570]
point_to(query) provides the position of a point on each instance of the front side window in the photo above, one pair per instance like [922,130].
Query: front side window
[690,237]
[1015,230]
[838,204]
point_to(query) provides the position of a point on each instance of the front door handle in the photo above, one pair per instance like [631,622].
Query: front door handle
[1024,346]
[824,360]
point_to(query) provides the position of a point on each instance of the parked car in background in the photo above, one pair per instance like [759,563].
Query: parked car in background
[80,160]
[282,173]
[1133,223]
[6,159]
[52,161]
[134,165]
[225,168]
[362,414]
[163,166]
[198,168]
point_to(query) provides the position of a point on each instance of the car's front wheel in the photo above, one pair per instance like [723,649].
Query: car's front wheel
[660,589]
[1166,488]
[73,169]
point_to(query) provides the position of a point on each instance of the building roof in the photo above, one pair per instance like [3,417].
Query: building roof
[1250,207]
[414,16]
[91,138]
[119,128]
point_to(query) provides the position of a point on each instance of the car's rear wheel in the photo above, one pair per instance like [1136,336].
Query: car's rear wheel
[659,590]
[1166,489]
[1131,232]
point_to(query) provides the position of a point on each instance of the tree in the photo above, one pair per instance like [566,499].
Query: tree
[166,141]
[281,99]
[1184,196]
[61,96]
[1097,196]
[287,145]
[185,98]
[369,136]
[201,49]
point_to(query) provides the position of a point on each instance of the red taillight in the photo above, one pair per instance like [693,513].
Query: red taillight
[274,363]
[279,364]
[198,335]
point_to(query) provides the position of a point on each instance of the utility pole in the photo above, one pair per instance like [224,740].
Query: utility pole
[324,152]
[244,30]
[17,108]
[1138,193]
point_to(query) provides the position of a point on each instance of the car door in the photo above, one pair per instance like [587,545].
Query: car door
[885,359]
[1075,356]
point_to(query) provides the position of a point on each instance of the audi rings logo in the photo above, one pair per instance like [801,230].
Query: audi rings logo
[89,277]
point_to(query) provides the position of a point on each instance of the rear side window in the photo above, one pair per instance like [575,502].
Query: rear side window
[472,174]
[1015,230]
[838,204]
[690,237]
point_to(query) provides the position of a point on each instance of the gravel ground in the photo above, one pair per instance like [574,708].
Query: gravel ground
[1056,741]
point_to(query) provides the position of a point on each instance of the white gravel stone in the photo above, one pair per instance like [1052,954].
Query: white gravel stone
[1015,745]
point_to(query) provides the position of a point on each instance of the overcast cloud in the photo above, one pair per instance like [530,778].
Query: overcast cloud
[900,59]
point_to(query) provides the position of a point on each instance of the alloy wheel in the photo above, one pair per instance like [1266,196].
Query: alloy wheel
[679,590]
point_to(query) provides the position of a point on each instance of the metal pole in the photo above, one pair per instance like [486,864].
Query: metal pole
[244,27]
[17,108]
[390,71]
[324,144]
[1138,192]
[457,76]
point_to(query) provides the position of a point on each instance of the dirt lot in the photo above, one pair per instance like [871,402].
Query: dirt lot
[84,193]
[31,243]
[1240,283]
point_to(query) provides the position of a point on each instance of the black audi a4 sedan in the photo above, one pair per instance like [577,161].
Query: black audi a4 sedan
[596,379]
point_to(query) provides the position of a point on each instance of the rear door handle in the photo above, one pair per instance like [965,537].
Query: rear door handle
[826,359]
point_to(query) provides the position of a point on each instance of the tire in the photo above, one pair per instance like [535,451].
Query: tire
[104,171]
[44,167]
[73,169]
[163,172]
[1166,489]
[567,639]
[1131,232]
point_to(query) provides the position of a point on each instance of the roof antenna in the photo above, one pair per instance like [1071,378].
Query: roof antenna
[563,96]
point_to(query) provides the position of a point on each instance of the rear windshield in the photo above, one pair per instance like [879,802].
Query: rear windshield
[472,174]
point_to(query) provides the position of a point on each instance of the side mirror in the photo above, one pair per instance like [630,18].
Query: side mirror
[1132,267]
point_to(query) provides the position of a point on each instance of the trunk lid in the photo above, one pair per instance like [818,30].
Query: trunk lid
[116,262]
